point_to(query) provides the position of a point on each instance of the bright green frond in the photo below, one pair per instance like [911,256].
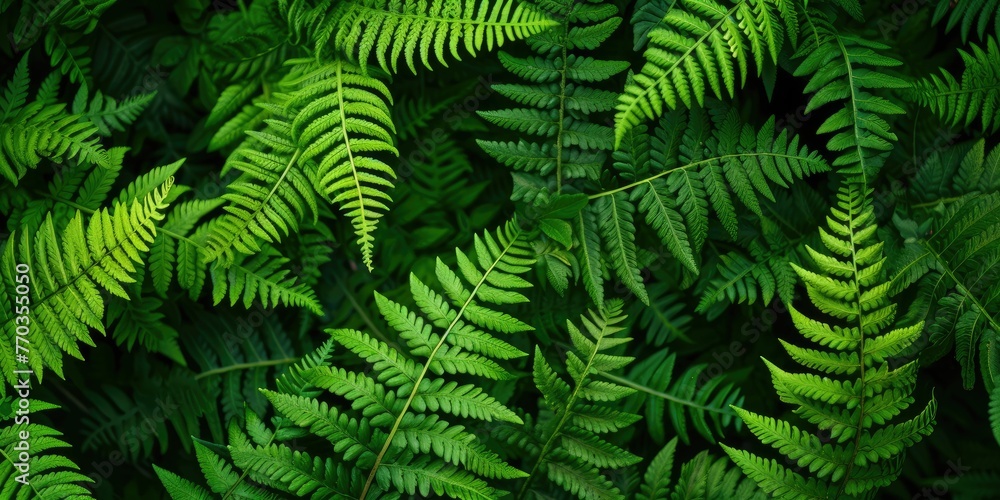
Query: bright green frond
[859,391]
[70,268]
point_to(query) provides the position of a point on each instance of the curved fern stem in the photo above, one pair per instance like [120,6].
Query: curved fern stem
[940,201]
[244,366]
[430,359]
[648,180]
[653,392]
[948,268]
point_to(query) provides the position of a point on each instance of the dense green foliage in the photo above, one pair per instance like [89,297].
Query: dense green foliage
[500,249]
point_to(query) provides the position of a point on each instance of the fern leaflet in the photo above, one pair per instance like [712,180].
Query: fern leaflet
[566,446]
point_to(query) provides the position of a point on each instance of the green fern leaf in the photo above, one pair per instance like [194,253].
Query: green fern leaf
[568,454]
[687,172]
[977,94]
[694,395]
[968,14]
[48,474]
[69,267]
[847,68]
[39,129]
[856,406]
[336,121]
[109,114]
[393,437]
[692,50]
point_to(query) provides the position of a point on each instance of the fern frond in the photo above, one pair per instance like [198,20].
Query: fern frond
[573,451]
[174,255]
[81,15]
[559,97]
[704,476]
[68,56]
[959,102]
[69,269]
[689,171]
[261,277]
[698,46]
[343,120]
[245,48]
[694,395]
[231,354]
[109,114]
[847,69]
[139,321]
[858,392]
[762,271]
[323,139]
[666,319]
[967,14]
[251,445]
[955,268]
[397,435]
[268,200]
[386,30]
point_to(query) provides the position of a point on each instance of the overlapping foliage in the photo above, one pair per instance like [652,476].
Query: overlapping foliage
[499,249]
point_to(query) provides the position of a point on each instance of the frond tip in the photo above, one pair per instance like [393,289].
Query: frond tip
[859,391]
